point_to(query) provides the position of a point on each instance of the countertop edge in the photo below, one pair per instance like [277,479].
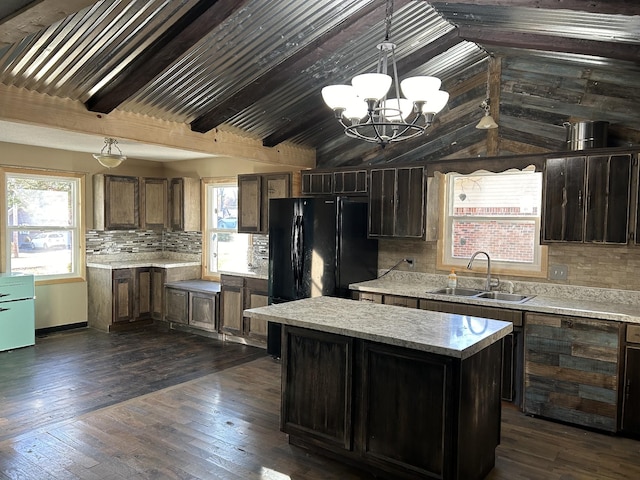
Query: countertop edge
[537,304]
[395,331]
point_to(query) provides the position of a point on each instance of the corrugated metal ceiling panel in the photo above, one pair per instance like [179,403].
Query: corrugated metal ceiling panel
[560,22]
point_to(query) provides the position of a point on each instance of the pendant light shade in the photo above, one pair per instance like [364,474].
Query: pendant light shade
[106,157]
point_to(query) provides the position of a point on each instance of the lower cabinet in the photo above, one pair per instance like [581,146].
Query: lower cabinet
[131,295]
[396,411]
[512,344]
[193,303]
[631,383]
[572,369]
[239,293]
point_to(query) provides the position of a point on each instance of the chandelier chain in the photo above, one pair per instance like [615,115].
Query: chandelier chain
[387,20]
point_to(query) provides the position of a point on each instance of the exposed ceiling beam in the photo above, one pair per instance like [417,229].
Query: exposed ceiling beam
[553,43]
[32,108]
[177,40]
[622,7]
[36,16]
[328,42]
[316,109]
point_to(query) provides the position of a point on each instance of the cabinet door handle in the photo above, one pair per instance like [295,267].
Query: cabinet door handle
[579,199]
[4,309]
[4,294]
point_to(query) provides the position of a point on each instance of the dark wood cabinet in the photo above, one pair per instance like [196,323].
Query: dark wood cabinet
[399,412]
[512,344]
[158,279]
[346,182]
[116,202]
[184,208]
[254,193]
[238,294]
[123,295]
[193,303]
[317,392]
[317,183]
[397,202]
[631,382]
[143,287]
[572,369]
[400,301]
[255,295]
[154,203]
[586,199]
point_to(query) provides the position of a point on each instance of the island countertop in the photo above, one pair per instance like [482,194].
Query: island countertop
[457,336]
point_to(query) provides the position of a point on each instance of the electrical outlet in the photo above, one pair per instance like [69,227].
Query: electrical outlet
[558,272]
[410,262]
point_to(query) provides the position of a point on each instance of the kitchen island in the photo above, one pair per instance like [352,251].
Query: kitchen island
[399,392]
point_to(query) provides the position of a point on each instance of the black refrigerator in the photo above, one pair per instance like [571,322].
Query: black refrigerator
[317,246]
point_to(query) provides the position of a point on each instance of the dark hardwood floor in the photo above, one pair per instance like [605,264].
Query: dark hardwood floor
[153,404]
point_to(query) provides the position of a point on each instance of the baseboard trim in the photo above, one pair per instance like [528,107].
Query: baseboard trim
[43,332]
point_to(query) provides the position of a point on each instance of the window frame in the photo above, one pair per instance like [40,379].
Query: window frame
[207,229]
[77,249]
[444,261]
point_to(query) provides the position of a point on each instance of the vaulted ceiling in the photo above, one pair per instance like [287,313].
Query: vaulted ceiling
[255,68]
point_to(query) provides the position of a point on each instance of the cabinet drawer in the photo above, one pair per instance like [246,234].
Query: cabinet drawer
[633,333]
[15,288]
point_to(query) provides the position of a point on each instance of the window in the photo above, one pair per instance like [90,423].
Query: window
[43,225]
[226,250]
[498,213]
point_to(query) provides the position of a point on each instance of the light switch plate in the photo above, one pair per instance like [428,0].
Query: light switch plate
[558,272]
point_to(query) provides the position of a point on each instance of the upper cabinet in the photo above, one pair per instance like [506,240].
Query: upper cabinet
[254,193]
[341,182]
[586,199]
[153,203]
[116,202]
[397,202]
[184,209]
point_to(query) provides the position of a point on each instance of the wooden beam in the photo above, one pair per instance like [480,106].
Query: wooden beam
[24,106]
[180,37]
[330,41]
[552,43]
[493,87]
[36,16]
[315,110]
[620,7]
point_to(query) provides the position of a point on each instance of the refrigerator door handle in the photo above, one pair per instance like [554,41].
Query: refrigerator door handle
[297,253]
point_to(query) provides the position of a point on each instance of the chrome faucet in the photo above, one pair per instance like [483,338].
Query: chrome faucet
[489,284]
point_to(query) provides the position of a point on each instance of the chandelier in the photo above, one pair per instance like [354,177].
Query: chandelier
[108,159]
[365,111]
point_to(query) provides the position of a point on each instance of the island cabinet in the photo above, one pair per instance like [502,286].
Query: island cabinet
[397,203]
[587,199]
[631,382]
[184,208]
[193,303]
[237,294]
[512,344]
[406,413]
[572,369]
[254,193]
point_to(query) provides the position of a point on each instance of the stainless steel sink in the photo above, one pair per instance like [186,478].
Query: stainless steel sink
[479,294]
[463,292]
[505,297]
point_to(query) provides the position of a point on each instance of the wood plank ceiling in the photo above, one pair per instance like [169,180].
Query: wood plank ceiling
[256,67]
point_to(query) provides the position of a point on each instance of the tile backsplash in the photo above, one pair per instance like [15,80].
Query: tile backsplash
[141,241]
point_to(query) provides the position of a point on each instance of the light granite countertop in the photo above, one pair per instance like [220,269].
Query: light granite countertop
[457,336]
[599,303]
[159,262]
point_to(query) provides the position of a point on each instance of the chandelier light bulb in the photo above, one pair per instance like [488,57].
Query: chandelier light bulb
[371,86]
